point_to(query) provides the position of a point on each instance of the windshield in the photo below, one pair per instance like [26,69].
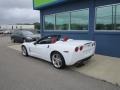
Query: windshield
[26,33]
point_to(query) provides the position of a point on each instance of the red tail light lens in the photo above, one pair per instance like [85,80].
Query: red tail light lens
[94,44]
[81,48]
[76,49]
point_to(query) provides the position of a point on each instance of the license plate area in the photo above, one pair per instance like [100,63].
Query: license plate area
[88,51]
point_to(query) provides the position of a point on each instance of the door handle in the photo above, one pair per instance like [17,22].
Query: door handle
[48,46]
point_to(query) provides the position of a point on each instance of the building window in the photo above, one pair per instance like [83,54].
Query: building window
[49,22]
[117,17]
[80,20]
[104,18]
[62,21]
[108,17]
[73,20]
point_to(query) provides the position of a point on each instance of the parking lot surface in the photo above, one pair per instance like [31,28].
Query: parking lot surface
[100,67]
[27,73]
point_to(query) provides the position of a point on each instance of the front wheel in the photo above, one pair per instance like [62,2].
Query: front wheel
[12,40]
[24,51]
[58,60]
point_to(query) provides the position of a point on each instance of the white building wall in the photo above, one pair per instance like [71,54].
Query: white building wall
[17,27]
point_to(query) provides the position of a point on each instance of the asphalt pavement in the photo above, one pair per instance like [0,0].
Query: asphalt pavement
[27,73]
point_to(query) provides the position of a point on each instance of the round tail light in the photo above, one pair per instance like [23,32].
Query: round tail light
[76,49]
[81,48]
[94,44]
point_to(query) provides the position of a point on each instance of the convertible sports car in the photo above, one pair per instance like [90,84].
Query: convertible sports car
[60,51]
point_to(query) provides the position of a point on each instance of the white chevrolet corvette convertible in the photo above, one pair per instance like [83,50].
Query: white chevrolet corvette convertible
[60,51]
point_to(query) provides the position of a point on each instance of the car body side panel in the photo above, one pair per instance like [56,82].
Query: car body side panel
[43,51]
[67,49]
[38,50]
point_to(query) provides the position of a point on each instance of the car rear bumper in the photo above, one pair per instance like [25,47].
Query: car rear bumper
[81,56]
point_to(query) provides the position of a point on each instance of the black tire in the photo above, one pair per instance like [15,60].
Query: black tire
[58,60]
[12,40]
[24,51]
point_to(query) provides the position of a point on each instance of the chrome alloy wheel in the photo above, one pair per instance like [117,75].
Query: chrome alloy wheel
[57,60]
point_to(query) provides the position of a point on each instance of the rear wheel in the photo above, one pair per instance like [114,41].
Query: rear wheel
[58,60]
[24,51]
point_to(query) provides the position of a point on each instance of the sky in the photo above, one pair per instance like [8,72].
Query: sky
[18,11]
